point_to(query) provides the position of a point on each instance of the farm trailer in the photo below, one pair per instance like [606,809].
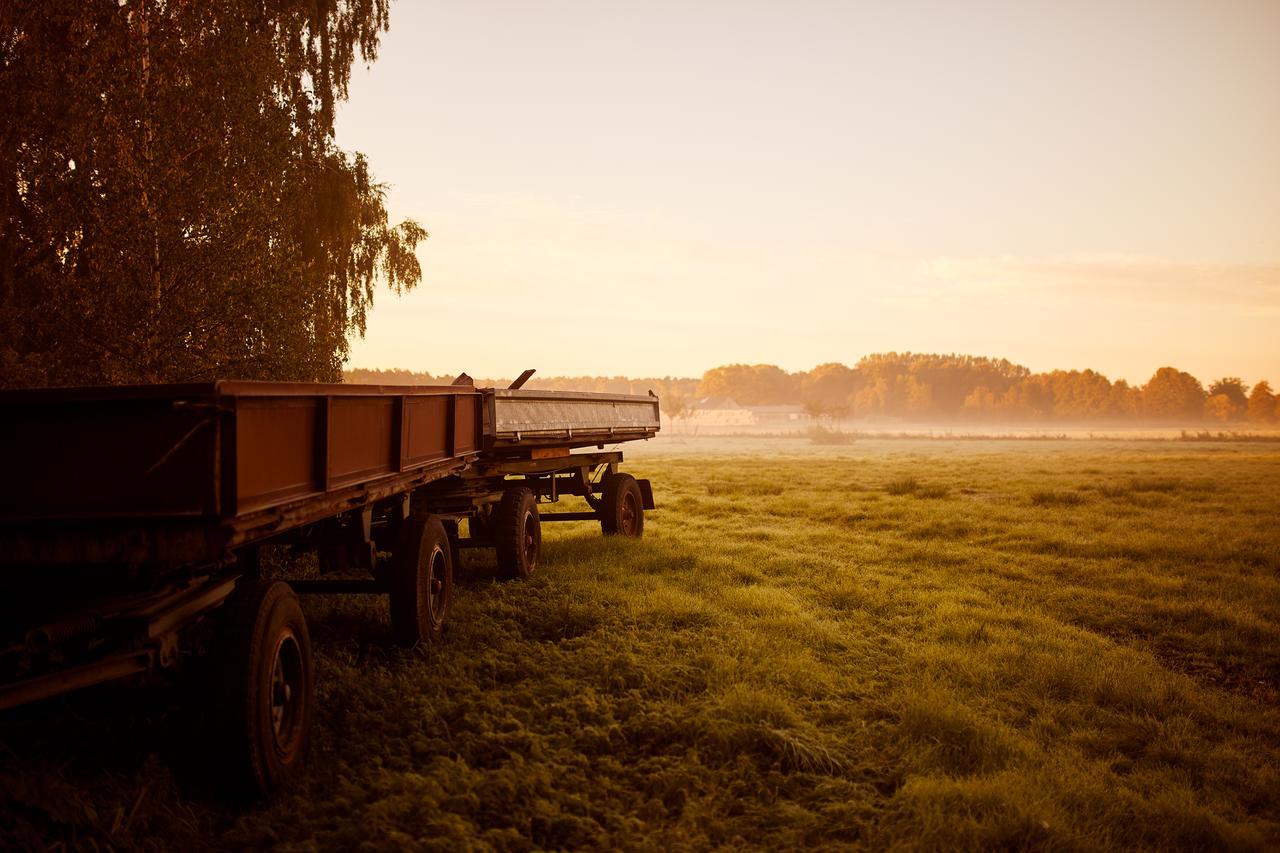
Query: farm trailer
[132,521]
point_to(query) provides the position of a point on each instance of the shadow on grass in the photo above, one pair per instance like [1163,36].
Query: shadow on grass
[107,766]
[113,764]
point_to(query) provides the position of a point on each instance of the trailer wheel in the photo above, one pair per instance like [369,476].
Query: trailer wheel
[622,507]
[421,581]
[517,533]
[264,683]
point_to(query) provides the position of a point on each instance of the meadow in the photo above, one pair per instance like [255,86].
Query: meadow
[933,644]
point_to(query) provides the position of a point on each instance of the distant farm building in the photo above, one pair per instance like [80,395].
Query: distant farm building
[724,414]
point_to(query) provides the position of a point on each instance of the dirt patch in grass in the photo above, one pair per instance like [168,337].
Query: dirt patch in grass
[1255,683]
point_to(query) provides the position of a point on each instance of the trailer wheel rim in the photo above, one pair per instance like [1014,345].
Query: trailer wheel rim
[530,539]
[286,693]
[436,590]
[628,514]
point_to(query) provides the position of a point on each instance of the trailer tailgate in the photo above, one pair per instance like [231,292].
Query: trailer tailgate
[567,418]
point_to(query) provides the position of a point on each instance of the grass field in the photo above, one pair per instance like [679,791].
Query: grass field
[1058,645]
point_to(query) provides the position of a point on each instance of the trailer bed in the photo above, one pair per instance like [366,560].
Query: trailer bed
[169,474]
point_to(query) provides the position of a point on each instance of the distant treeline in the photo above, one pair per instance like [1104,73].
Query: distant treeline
[923,387]
[919,386]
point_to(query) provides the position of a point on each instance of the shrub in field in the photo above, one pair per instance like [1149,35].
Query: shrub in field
[825,436]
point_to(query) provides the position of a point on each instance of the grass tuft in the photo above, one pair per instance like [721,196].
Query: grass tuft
[902,486]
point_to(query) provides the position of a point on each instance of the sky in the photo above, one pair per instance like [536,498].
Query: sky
[657,188]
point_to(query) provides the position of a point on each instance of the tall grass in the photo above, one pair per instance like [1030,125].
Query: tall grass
[1066,646]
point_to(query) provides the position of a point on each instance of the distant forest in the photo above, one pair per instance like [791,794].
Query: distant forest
[925,387]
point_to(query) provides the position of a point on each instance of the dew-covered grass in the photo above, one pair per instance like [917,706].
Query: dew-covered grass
[958,645]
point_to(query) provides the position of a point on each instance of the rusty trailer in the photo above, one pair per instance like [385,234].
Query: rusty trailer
[132,523]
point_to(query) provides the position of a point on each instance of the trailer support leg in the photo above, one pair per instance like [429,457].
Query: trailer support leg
[348,543]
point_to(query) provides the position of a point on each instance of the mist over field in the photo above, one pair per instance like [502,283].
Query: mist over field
[915,392]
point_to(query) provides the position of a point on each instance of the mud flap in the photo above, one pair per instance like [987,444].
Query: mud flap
[646,494]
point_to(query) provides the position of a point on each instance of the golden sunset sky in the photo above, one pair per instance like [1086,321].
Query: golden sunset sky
[657,188]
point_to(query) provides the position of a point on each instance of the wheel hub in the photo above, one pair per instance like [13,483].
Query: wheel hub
[530,541]
[629,515]
[435,584]
[286,682]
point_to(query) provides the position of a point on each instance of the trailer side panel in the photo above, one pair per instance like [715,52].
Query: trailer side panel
[107,458]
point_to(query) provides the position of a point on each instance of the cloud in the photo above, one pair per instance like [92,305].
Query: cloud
[1127,277]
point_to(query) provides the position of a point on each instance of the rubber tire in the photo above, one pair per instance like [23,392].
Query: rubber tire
[622,499]
[455,546]
[253,624]
[517,558]
[413,620]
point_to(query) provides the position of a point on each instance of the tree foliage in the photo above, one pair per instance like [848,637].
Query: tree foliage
[1220,407]
[750,384]
[949,377]
[1172,394]
[1233,388]
[828,386]
[172,202]
[1262,403]
[924,386]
